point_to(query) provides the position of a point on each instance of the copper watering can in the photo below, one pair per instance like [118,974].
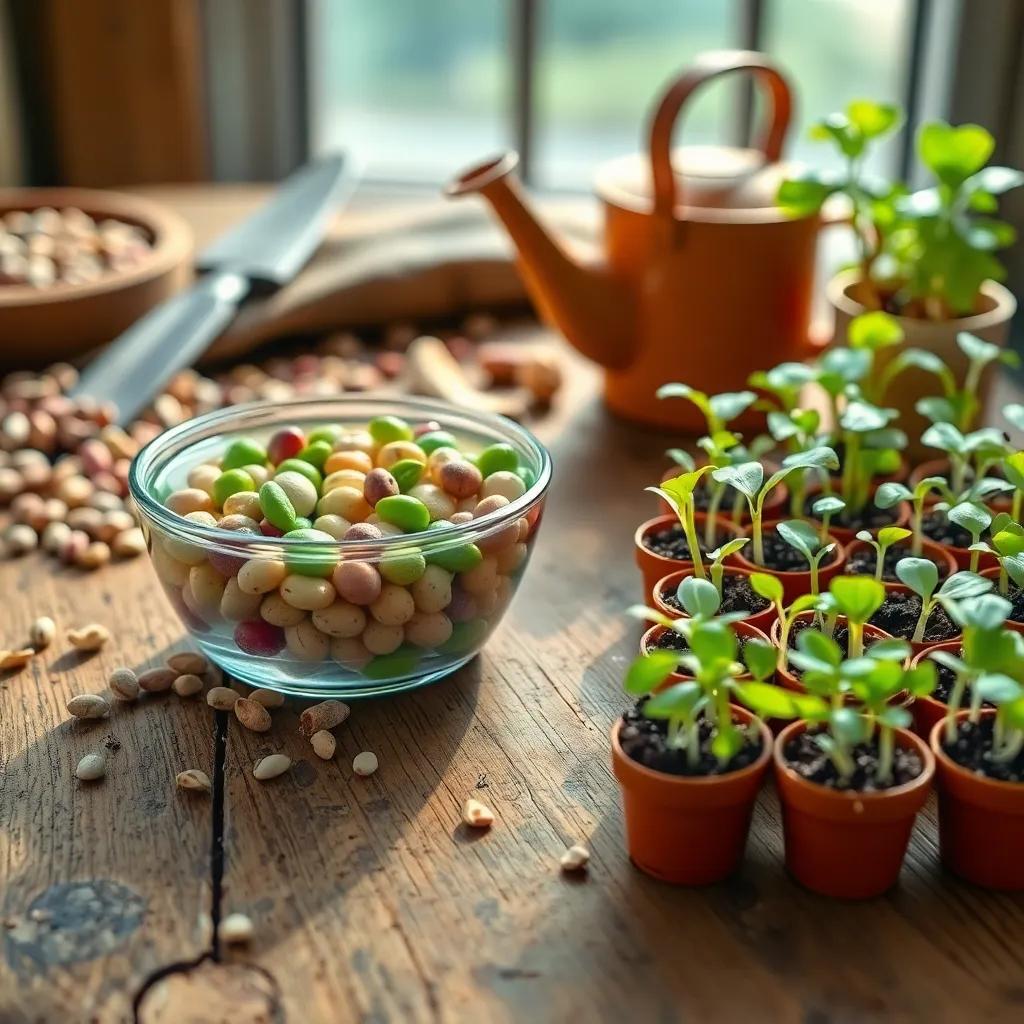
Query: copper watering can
[703,278]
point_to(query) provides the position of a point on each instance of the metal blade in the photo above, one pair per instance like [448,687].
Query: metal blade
[273,244]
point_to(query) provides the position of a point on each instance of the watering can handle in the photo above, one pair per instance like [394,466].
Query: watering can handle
[706,67]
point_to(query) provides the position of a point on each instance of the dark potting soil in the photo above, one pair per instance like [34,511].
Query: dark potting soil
[702,499]
[862,563]
[809,761]
[869,518]
[944,681]
[737,596]
[935,526]
[972,749]
[840,634]
[670,640]
[1016,597]
[645,740]
[899,613]
[671,543]
[778,555]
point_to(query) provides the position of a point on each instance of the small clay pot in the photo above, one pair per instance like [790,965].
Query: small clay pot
[993,574]
[981,821]
[762,620]
[928,710]
[689,831]
[792,682]
[794,584]
[744,629]
[929,549]
[848,845]
[654,567]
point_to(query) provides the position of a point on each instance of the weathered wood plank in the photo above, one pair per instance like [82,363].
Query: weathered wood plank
[103,882]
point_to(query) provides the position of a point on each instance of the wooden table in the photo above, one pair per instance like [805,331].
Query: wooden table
[371,901]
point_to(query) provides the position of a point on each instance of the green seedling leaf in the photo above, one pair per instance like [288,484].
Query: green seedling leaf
[953,154]
[962,585]
[861,417]
[1013,466]
[891,493]
[890,649]
[857,597]
[649,671]
[645,614]
[973,518]
[799,534]
[726,744]
[746,478]
[801,197]
[771,701]
[998,688]
[698,398]
[829,505]
[873,331]
[920,574]
[977,350]
[872,119]
[698,597]
[936,409]
[678,701]
[996,180]
[895,717]
[729,404]
[987,486]
[890,535]
[945,437]
[821,457]
[760,658]
[987,612]
[1013,713]
[956,665]
[842,366]
[713,641]
[848,726]
[819,648]
[721,553]
[767,587]
[681,458]
[920,680]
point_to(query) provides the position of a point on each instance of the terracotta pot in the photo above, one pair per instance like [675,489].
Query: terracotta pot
[796,583]
[689,831]
[993,574]
[774,503]
[743,629]
[762,620]
[981,822]
[787,678]
[848,845]
[929,549]
[929,710]
[996,308]
[654,567]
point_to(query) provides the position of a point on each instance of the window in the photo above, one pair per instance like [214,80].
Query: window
[419,89]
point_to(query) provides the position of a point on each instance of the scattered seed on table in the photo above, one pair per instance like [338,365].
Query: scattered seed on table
[42,632]
[365,763]
[326,715]
[324,744]
[89,638]
[128,543]
[268,698]
[271,766]
[187,684]
[477,814]
[91,767]
[16,659]
[254,717]
[156,680]
[188,663]
[88,705]
[236,929]
[124,684]
[195,780]
[222,698]
[575,858]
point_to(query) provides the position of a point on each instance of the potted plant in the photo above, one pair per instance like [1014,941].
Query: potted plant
[980,760]
[928,257]
[664,544]
[732,584]
[984,646]
[877,556]
[850,776]
[689,762]
[771,552]
[923,612]
[1008,551]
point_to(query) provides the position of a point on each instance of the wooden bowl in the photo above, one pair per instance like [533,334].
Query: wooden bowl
[64,321]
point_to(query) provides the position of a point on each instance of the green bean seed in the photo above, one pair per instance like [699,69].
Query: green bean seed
[436,439]
[243,451]
[497,457]
[393,666]
[307,469]
[465,637]
[328,434]
[277,507]
[385,429]
[403,567]
[231,482]
[455,558]
[407,473]
[407,513]
[316,453]
[310,560]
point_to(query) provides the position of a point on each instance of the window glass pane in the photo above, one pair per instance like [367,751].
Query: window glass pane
[601,65]
[415,88]
[836,51]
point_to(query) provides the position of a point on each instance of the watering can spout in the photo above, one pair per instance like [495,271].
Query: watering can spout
[583,300]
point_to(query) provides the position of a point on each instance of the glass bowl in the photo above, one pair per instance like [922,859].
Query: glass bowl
[455,611]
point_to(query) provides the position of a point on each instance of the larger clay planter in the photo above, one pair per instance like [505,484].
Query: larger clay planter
[996,307]
[794,584]
[744,629]
[669,584]
[928,711]
[848,845]
[929,549]
[981,822]
[784,676]
[653,567]
[689,831]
